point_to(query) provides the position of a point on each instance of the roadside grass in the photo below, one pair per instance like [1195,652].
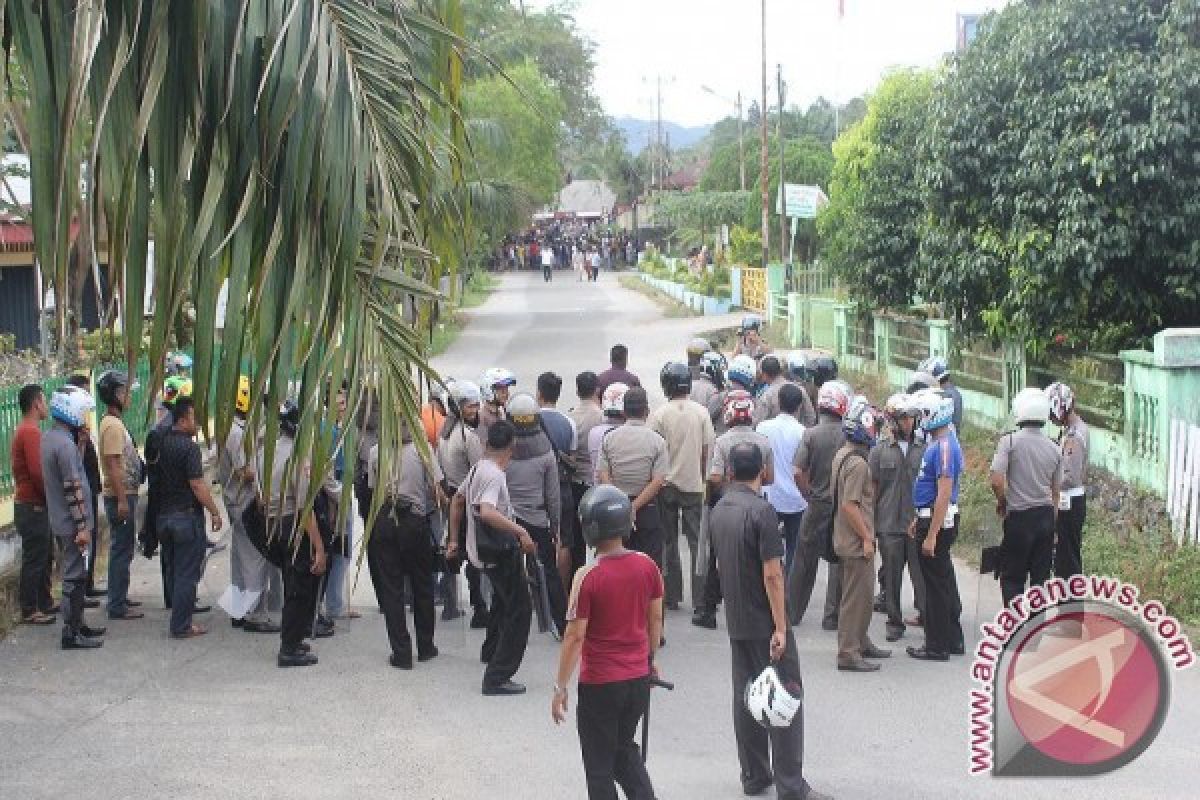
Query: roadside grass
[1127,534]
[446,331]
[671,308]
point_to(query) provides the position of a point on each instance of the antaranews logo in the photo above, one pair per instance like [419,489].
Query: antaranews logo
[1072,678]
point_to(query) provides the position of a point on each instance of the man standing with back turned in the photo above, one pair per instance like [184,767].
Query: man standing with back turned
[615,624]
[745,532]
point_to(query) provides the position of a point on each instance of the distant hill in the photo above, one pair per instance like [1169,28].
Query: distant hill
[635,131]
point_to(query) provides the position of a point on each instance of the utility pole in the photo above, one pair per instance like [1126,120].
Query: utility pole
[784,238]
[763,161]
[660,154]
[741,144]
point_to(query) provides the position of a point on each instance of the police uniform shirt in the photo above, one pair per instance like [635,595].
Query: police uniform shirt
[485,484]
[719,463]
[745,533]
[632,455]
[411,481]
[716,412]
[586,417]
[1031,464]
[815,455]
[688,429]
[854,486]
[1075,446]
[703,390]
[894,471]
[458,452]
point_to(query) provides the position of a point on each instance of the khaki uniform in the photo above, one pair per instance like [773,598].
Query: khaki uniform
[1072,507]
[853,485]
[894,470]
[767,405]
[633,455]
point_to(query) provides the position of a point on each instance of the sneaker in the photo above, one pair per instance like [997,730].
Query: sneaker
[508,688]
[296,658]
[78,641]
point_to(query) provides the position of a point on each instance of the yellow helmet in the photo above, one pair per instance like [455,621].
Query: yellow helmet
[242,403]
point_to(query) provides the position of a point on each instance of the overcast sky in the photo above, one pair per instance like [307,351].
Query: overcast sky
[715,43]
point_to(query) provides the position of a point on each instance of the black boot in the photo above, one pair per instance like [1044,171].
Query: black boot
[296,658]
[77,641]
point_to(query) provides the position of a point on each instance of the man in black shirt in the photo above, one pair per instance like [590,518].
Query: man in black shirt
[745,533]
[183,496]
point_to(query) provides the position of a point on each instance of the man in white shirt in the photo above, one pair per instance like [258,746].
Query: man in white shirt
[785,433]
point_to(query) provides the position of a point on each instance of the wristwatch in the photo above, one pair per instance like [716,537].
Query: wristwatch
[560,689]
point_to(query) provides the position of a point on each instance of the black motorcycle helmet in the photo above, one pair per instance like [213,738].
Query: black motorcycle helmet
[605,513]
[675,378]
[289,418]
[109,384]
[822,368]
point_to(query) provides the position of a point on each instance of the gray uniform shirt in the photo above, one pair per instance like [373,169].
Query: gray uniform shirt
[485,484]
[745,533]
[894,472]
[767,405]
[62,463]
[815,455]
[458,453]
[632,455]
[236,491]
[585,417]
[703,390]
[411,481]
[718,464]
[534,490]
[1075,446]
[1032,466]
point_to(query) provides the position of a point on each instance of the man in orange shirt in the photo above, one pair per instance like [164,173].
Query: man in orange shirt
[433,414]
[29,509]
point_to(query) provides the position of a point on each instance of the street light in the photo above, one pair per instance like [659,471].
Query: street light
[741,134]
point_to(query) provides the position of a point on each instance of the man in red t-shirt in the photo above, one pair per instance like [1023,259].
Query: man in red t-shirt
[29,509]
[615,622]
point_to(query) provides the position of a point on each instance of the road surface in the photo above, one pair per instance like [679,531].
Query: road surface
[147,716]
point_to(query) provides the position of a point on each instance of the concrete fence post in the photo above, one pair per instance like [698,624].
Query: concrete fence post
[794,319]
[841,328]
[883,342]
[735,286]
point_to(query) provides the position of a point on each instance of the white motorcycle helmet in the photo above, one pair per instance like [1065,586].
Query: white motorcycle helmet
[613,401]
[1031,406]
[770,702]
[70,405]
[493,378]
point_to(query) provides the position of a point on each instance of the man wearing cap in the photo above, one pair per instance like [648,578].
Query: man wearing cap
[615,627]
[745,533]
[535,491]
[633,458]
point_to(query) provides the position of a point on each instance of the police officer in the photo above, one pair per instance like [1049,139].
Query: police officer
[708,378]
[633,458]
[750,341]
[1072,505]
[1026,478]
[895,462]
[739,376]
[935,527]
[581,476]
[739,422]
[458,449]
[495,386]
[535,491]
[813,465]
[854,537]
[767,405]
[616,608]
[401,546]
[937,368]
[696,349]
[612,406]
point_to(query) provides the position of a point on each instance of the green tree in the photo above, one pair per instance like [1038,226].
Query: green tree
[871,230]
[528,113]
[1064,177]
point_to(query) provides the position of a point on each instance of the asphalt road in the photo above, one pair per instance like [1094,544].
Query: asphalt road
[147,716]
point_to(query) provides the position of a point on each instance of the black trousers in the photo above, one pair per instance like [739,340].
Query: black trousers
[1027,550]
[607,718]
[301,590]
[803,575]
[401,547]
[648,535]
[572,536]
[95,549]
[943,631]
[1068,545]
[547,554]
[712,584]
[37,547]
[508,623]
[776,754]
[893,551]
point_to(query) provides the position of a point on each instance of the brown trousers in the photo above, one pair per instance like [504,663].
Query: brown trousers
[854,616]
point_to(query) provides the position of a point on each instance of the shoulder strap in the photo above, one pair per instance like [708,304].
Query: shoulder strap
[837,479]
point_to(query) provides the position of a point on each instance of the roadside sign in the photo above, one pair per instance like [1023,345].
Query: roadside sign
[800,200]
